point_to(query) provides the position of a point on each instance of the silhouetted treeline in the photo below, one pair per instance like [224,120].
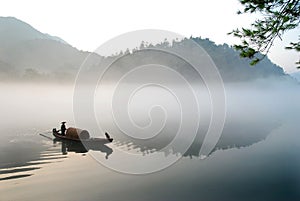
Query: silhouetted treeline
[27,54]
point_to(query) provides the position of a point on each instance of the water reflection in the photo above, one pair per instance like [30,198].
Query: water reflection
[79,147]
[236,134]
[21,158]
[251,116]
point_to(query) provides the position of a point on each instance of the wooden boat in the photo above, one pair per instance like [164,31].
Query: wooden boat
[58,136]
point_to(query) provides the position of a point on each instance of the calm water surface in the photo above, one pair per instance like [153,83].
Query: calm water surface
[257,157]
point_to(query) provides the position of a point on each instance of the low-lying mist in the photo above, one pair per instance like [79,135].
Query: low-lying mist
[253,110]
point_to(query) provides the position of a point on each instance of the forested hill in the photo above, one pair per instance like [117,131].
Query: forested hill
[28,54]
[233,68]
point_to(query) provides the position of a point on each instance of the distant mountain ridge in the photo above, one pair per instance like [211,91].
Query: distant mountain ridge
[26,53]
[296,75]
[234,68]
[13,31]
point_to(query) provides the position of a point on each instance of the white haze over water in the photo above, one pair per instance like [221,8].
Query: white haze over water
[257,156]
[252,109]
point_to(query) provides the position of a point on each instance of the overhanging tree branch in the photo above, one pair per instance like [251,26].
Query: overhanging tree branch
[279,16]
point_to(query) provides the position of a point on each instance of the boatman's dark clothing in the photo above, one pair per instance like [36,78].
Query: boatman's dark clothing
[63,129]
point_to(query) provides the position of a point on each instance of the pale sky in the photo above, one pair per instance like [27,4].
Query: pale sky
[90,23]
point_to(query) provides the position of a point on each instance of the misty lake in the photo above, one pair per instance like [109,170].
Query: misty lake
[256,157]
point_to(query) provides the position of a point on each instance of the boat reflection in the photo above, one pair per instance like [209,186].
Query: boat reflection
[79,147]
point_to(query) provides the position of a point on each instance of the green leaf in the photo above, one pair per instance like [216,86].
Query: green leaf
[254,61]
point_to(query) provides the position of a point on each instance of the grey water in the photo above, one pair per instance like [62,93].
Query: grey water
[256,158]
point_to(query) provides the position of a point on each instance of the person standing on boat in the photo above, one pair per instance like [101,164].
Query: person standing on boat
[63,128]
